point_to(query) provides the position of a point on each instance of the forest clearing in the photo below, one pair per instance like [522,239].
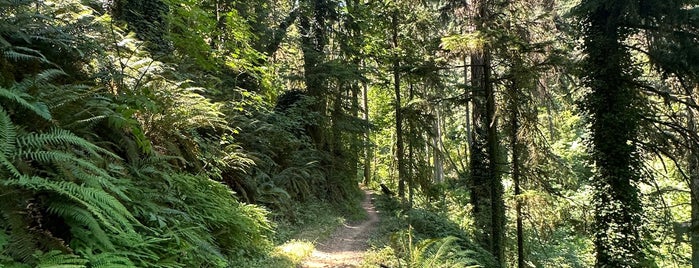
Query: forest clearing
[349,133]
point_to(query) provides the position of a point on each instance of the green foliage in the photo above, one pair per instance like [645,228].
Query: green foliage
[420,237]
[82,153]
[442,252]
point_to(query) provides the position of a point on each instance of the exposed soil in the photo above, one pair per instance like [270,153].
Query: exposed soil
[346,247]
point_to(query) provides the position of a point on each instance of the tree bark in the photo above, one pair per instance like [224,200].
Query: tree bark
[613,108]
[486,186]
[399,114]
[436,149]
[411,156]
[516,173]
[368,149]
[313,42]
[693,166]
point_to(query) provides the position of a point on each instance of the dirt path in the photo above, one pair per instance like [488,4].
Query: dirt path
[345,248]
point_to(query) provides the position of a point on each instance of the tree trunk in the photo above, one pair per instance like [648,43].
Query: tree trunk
[469,96]
[411,156]
[368,149]
[612,105]
[437,150]
[515,166]
[399,115]
[693,166]
[497,203]
[486,186]
[313,42]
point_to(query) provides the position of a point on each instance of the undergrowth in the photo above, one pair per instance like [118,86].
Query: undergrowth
[421,237]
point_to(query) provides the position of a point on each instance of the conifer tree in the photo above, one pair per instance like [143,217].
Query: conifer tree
[612,105]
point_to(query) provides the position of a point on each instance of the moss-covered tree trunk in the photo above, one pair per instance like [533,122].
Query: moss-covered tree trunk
[613,110]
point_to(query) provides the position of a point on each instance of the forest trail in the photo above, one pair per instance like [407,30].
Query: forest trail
[345,248]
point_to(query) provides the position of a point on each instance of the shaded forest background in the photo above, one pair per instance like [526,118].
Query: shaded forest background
[208,133]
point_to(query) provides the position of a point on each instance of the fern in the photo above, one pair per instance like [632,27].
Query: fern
[7,142]
[17,53]
[56,137]
[81,217]
[109,260]
[57,259]
[111,213]
[38,108]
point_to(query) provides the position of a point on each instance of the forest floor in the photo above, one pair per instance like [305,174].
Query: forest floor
[346,247]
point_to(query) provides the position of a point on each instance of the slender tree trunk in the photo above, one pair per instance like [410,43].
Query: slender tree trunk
[516,174]
[356,138]
[469,96]
[693,163]
[411,156]
[478,164]
[399,114]
[437,150]
[336,114]
[368,149]
[549,116]
[215,40]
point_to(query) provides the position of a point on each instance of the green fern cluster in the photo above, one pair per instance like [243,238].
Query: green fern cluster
[423,238]
[54,176]
[435,252]
[86,182]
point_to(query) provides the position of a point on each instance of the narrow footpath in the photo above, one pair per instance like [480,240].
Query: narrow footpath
[346,247]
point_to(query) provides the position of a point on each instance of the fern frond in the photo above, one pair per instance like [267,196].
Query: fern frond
[8,135]
[48,75]
[80,95]
[203,244]
[4,43]
[52,157]
[110,260]
[81,217]
[110,212]
[19,54]
[98,178]
[38,108]
[57,259]
[58,136]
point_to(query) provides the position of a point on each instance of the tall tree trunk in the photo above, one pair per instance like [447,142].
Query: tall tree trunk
[436,148]
[336,130]
[516,173]
[613,107]
[356,139]
[313,42]
[469,96]
[411,156]
[486,186]
[368,149]
[399,114]
[693,166]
